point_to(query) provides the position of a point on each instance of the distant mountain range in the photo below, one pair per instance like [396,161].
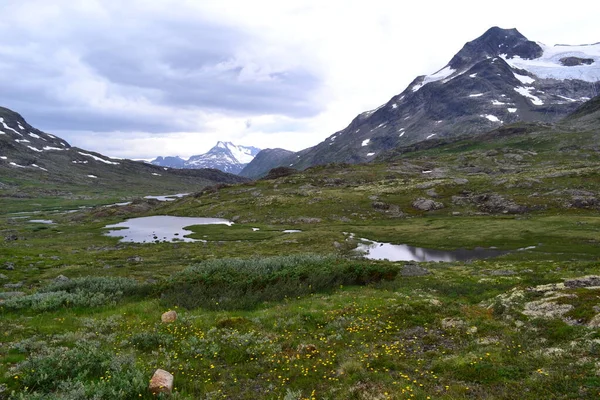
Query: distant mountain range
[497,79]
[224,156]
[32,159]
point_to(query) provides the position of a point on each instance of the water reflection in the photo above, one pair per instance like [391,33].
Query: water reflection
[168,197]
[159,228]
[402,252]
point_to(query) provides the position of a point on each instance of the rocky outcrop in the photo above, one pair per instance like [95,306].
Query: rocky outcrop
[427,204]
[489,203]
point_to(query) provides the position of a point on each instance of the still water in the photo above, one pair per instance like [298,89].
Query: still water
[159,228]
[402,252]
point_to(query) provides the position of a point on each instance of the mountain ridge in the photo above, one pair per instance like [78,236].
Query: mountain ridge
[497,79]
[31,159]
[224,156]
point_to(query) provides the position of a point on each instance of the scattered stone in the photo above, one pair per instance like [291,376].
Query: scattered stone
[161,382]
[461,181]
[583,202]
[169,316]
[2,276]
[594,322]
[17,285]
[307,349]
[135,259]
[456,213]
[453,323]
[431,193]
[427,204]
[502,272]
[9,266]
[55,258]
[414,270]
[546,309]
[435,302]
[426,185]
[379,205]
[61,278]
[583,282]
[10,238]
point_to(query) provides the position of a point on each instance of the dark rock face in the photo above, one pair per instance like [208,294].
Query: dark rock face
[171,162]
[574,61]
[280,172]
[494,42]
[265,161]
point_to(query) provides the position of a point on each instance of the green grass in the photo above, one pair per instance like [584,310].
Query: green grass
[264,314]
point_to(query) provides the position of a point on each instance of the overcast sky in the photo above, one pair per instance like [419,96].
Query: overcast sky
[138,79]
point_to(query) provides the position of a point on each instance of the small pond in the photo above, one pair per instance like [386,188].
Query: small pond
[159,228]
[168,197]
[401,252]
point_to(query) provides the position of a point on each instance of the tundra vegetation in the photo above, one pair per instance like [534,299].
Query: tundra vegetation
[274,315]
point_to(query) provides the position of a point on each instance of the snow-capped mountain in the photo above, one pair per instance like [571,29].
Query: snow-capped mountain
[498,78]
[224,156]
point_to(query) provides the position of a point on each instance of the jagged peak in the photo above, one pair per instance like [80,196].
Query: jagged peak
[494,42]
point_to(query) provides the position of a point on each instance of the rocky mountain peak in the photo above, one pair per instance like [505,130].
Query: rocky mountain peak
[494,42]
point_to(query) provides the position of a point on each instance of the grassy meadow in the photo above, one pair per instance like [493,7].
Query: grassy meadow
[273,315]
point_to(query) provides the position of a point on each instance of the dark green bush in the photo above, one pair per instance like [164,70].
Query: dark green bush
[244,283]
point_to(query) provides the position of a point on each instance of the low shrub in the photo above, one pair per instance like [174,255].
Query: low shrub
[95,284]
[55,300]
[86,371]
[244,283]
[80,292]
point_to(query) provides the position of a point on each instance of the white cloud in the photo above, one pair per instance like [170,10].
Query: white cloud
[296,70]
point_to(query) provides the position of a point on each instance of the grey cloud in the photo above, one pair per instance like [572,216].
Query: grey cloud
[175,64]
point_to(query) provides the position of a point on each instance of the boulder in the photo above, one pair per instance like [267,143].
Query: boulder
[584,281]
[169,316]
[161,382]
[427,204]
[453,323]
[61,278]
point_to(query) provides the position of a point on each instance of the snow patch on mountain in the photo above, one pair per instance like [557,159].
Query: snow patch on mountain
[98,158]
[8,127]
[549,65]
[526,91]
[438,76]
[524,78]
[491,117]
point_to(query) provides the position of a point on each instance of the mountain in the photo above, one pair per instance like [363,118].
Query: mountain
[224,156]
[171,162]
[496,79]
[32,160]
[266,160]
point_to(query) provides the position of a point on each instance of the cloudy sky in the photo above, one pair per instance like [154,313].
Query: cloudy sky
[142,78]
